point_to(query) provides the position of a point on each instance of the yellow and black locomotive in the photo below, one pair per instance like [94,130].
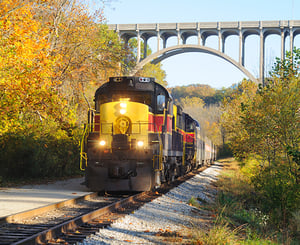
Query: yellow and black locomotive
[136,137]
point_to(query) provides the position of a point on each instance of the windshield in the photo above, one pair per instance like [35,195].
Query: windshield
[140,97]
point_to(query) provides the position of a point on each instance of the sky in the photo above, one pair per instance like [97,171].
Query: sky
[193,68]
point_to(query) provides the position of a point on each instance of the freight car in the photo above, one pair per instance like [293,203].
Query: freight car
[136,137]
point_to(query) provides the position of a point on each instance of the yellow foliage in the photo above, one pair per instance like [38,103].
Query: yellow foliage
[250,168]
[26,69]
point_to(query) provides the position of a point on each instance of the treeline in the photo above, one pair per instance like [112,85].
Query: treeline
[53,56]
[206,93]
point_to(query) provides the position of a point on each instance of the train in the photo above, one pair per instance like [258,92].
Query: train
[137,138]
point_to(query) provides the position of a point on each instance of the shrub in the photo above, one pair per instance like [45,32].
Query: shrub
[24,155]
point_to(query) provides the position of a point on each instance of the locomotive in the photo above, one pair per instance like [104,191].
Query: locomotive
[136,137]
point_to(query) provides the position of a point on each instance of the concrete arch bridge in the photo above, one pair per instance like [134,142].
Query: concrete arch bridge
[203,30]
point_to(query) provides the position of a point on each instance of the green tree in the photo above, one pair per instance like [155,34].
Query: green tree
[231,120]
[287,68]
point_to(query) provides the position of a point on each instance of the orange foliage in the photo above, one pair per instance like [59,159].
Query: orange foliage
[26,69]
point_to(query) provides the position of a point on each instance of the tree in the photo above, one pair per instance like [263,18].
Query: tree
[231,119]
[205,92]
[156,71]
[287,68]
[87,52]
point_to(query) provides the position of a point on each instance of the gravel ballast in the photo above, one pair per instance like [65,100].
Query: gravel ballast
[169,219]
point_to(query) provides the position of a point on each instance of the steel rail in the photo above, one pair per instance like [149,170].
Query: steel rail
[34,212]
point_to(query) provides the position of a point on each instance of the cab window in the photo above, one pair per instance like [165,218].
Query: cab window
[161,102]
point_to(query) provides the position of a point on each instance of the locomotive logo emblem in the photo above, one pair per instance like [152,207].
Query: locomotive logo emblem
[122,125]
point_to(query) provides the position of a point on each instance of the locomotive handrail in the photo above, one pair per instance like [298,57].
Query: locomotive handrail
[110,131]
[83,155]
[160,167]
[183,154]
[91,122]
[89,127]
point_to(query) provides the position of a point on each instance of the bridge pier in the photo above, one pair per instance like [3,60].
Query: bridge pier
[199,34]
[241,48]
[262,57]
[291,39]
[282,44]
[138,56]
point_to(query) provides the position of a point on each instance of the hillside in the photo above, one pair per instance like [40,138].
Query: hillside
[203,103]
[205,92]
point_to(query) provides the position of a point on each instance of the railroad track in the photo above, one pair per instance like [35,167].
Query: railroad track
[66,226]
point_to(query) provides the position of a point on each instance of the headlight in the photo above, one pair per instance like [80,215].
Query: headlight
[123,106]
[140,143]
[102,143]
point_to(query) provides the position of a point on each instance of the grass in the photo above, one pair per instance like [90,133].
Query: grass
[193,202]
[215,236]
[239,218]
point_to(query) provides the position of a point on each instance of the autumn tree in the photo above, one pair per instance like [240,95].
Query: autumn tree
[87,52]
[203,91]
[35,119]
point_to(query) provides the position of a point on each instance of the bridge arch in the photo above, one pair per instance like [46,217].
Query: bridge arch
[184,48]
